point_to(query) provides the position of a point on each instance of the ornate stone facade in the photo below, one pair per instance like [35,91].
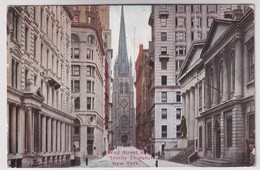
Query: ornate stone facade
[40,120]
[123,112]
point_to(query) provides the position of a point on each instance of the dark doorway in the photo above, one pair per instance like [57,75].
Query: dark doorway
[218,145]
[124,140]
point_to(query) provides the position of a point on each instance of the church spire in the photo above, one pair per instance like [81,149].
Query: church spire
[123,64]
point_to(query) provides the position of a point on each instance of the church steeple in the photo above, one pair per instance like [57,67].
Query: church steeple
[123,63]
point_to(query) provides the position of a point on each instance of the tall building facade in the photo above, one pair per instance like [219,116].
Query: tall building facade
[143,126]
[218,91]
[40,120]
[88,82]
[123,112]
[174,27]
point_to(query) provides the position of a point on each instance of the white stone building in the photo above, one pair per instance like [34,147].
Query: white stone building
[174,28]
[39,115]
[218,92]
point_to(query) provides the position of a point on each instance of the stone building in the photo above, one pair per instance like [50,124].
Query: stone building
[123,111]
[39,115]
[143,132]
[218,91]
[174,28]
[88,63]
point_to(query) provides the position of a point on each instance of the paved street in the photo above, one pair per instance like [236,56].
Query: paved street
[129,157]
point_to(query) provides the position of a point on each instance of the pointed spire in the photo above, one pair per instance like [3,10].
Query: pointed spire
[123,62]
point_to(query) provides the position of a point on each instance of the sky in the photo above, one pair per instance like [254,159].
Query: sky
[136,18]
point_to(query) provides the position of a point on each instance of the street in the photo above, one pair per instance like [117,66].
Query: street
[129,157]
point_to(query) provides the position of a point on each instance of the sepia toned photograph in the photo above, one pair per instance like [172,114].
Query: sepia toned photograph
[117,85]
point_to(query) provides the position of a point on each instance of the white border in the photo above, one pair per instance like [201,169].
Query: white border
[3,91]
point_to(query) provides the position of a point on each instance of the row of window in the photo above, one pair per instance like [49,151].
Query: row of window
[75,86]
[164,113]
[76,70]
[75,39]
[179,50]
[90,103]
[164,131]
[194,8]
[180,22]
[75,53]
[123,88]
[164,96]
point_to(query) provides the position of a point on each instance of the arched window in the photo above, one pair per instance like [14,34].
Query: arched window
[121,87]
[126,87]
[76,126]
[74,38]
[124,121]
[91,39]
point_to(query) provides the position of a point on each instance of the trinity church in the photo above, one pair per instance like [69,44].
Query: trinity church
[123,111]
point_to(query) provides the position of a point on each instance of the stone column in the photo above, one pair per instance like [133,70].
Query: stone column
[58,136]
[188,114]
[222,135]
[206,89]
[225,75]
[183,103]
[196,128]
[30,130]
[44,134]
[192,116]
[21,130]
[65,136]
[54,135]
[39,131]
[70,138]
[238,66]
[238,133]
[49,134]
[215,82]
[62,136]
[13,128]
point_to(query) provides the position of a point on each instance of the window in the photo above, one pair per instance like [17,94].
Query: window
[209,21]
[196,22]
[163,36]
[164,113]
[35,80]
[91,71]
[34,46]
[47,26]
[26,78]
[89,54]
[77,126]
[15,65]
[88,86]
[26,41]
[75,70]
[229,131]
[42,18]
[200,137]
[178,113]
[75,53]
[121,88]
[164,96]
[89,20]
[251,128]
[178,131]
[93,85]
[195,8]
[164,50]
[75,85]
[77,103]
[74,38]
[178,64]
[88,103]
[126,88]
[212,8]
[47,58]
[180,50]
[209,135]
[197,35]
[124,122]
[251,63]
[164,64]
[178,96]
[93,103]
[15,21]
[200,95]
[90,131]
[180,22]
[163,22]
[180,36]
[76,18]
[164,80]
[164,131]
[91,39]
[180,8]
